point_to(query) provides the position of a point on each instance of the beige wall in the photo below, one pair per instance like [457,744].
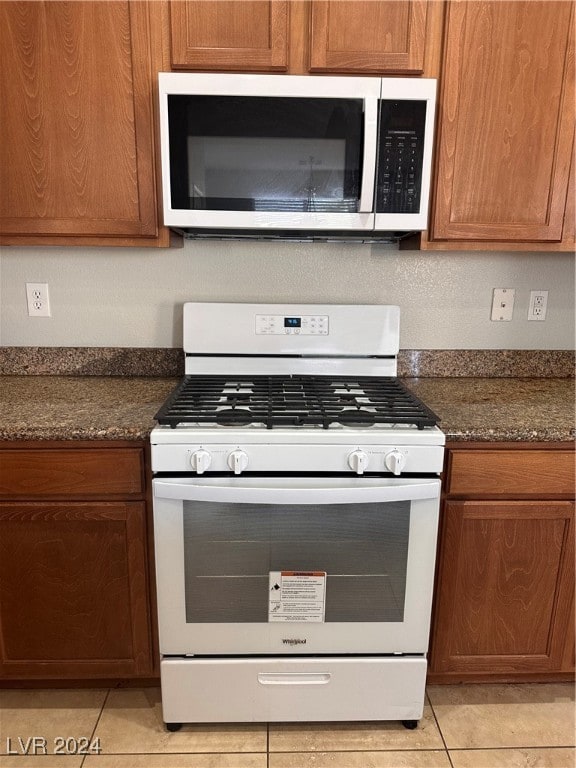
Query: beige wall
[133,297]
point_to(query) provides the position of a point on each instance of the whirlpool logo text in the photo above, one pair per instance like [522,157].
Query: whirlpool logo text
[293,641]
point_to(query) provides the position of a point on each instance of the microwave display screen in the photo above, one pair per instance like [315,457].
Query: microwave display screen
[292,322]
[253,153]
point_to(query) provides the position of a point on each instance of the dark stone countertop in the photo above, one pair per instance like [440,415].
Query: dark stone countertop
[122,408]
[500,409]
[80,407]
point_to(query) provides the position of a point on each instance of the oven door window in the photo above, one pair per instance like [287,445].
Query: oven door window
[248,153]
[229,551]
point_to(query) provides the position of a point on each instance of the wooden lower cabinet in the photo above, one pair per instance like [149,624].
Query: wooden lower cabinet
[74,574]
[504,605]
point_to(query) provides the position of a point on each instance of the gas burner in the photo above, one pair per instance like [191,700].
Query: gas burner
[356,417]
[233,417]
[233,399]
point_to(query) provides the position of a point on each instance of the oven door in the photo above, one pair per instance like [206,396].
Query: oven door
[284,565]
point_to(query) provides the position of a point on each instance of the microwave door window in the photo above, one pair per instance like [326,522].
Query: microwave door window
[272,174]
[266,154]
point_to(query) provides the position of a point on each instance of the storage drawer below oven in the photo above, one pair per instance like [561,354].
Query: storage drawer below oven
[273,689]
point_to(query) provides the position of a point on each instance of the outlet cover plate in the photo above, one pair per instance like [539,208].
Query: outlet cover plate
[38,300]
[538,305]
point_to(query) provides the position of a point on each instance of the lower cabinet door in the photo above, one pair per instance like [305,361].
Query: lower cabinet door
[505,588]
[73,590]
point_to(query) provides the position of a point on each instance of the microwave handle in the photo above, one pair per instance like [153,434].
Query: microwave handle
[283,491]
[370,154]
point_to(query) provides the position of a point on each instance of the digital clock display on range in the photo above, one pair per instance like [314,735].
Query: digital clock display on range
[292,322]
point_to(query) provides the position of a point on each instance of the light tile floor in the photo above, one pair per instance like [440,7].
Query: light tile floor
[468,726]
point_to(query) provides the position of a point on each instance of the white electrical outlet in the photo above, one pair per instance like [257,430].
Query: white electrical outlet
[502,304]
[38,300]
[537,306]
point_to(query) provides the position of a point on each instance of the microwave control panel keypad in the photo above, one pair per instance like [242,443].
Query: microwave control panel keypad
[399,171]
[305,325]
[401,156]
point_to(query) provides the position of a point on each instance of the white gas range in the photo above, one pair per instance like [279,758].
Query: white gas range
[296,498]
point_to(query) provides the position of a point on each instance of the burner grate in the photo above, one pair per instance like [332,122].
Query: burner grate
[279,401]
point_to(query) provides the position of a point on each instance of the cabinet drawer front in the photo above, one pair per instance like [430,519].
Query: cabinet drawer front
[30,474]
[510,472]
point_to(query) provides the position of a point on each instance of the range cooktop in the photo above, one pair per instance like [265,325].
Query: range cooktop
[294,400]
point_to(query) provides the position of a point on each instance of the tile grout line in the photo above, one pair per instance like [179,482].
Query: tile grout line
[440,731]
[316,752]
[489,749]
[96,724]
[326,751]
[360,751]
[184,754]
[394,750]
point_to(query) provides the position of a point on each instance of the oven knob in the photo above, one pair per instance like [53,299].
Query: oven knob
[200,461]
[238,460]
[358,461]
[395,461]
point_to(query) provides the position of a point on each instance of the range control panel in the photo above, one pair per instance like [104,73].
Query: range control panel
[306,325]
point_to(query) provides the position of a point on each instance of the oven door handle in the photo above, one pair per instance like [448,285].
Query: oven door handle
[296,491]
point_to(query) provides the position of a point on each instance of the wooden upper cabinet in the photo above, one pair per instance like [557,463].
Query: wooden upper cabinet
[306,36]
[77,154]
[371,36]
[506,126]
[251,35]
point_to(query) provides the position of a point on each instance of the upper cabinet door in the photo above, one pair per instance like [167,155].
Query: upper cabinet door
[77,129]
[506,122]
[251,35]
[380,36]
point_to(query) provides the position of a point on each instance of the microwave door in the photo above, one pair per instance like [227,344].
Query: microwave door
[266,152]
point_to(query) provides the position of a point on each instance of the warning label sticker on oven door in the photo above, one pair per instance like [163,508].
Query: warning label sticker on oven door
[297,596]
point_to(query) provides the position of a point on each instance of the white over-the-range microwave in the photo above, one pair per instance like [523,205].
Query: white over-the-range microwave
[282,153]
